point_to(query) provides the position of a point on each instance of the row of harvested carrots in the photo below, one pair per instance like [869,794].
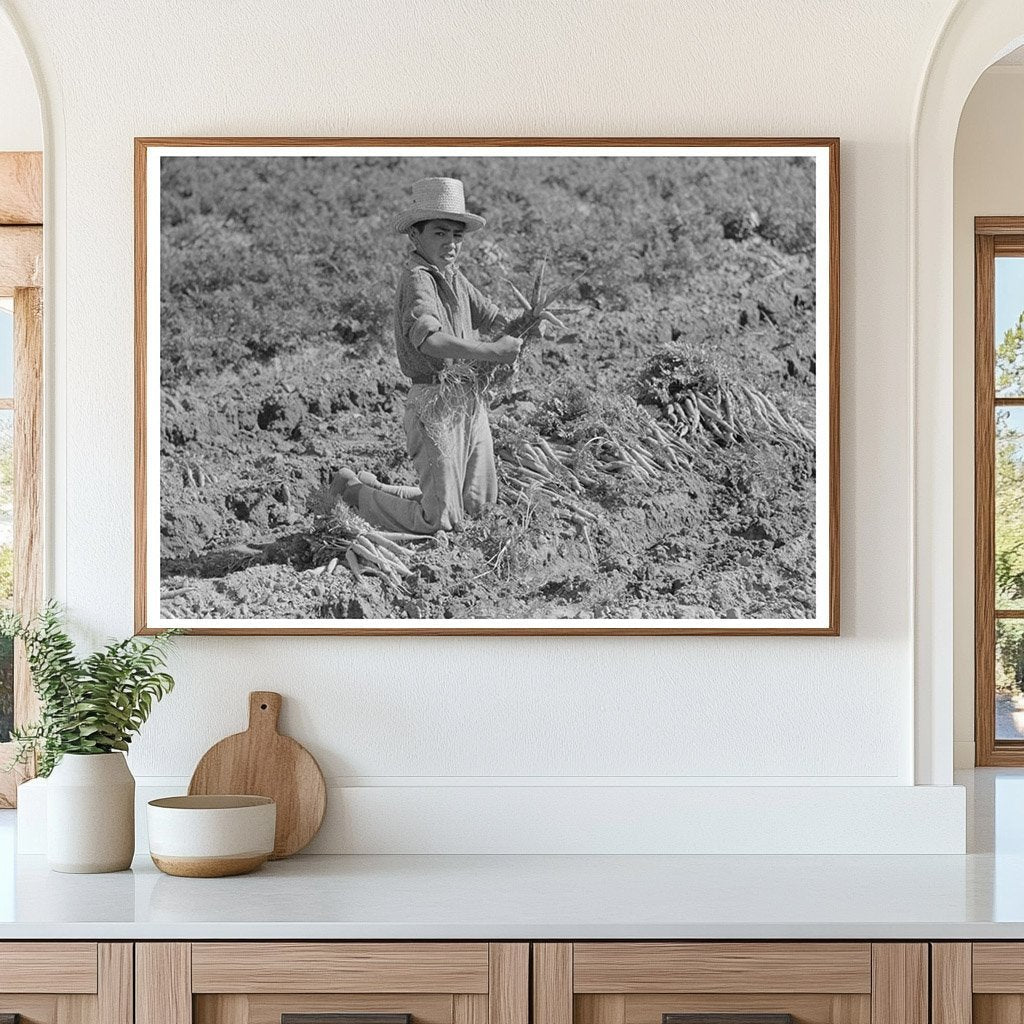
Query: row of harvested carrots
[375,553]
[556,469]
[733,414]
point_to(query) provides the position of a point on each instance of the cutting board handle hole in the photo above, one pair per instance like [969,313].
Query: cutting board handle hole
[263,707]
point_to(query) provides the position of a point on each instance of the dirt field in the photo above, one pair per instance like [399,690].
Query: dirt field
[695,313]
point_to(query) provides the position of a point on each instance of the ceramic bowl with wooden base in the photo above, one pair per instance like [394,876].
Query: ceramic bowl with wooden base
[211,836]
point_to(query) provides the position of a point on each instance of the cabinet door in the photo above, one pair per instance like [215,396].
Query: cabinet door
[332,983]
[66,982]
[980,982]
[730,983]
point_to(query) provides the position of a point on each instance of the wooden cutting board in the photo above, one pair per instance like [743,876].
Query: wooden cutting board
[262,762]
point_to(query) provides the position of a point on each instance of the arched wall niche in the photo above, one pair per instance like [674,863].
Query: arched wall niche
[976,34]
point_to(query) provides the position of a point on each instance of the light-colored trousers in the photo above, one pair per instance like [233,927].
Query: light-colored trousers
[457,478]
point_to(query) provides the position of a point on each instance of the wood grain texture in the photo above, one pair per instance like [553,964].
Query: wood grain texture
[115,1002]
[899,983]
[65,967]
[141,611]
[805,1008]
[984,502]
[508,993]
[163,983]
[850,1009]
[833,390]
[831,144]
[998,967]
[1010,245]
[633,967]
[76,1009]
[31,1009]
[728,1018]
[304,967]
[28,484]
[603,1009]
[262,762]
[552,983]
[21,188]
[998,225]
[269,1009]
[226,1009]
[9,781]
[951,983]
[346,1018]
[208,867]
[998,1009]
[994,237]
[467,1009]
[21,259]
[1001,236]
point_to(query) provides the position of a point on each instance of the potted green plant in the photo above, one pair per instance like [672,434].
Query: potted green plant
[89,710]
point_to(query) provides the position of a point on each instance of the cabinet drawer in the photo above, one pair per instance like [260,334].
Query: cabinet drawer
[730,983]
[332,983]
[66,982]
[980,982]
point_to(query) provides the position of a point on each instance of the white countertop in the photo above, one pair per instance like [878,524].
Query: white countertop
[517,897]
[979,895]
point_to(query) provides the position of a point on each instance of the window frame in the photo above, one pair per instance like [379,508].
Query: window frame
[21,263]
[993,237]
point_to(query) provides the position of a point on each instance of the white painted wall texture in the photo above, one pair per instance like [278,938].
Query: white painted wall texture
[21,127]
[987,181]
[434,713]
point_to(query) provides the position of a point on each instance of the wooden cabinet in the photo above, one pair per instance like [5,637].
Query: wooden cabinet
[66,982]
[512,983]
[654,982]
[264,982]
[978,983]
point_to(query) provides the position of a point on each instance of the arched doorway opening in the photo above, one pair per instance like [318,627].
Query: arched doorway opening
[976,35]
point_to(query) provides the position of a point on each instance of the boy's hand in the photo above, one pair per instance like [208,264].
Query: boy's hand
[505,349]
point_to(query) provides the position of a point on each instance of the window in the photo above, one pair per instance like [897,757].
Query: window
[6,510]
[999,490]
[21,251]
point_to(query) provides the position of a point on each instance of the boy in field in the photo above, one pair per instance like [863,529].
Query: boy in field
[439,316]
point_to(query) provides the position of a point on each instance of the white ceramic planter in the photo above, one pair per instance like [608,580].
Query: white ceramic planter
[90,814]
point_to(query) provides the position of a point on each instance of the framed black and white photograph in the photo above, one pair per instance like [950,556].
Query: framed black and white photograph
[565,386]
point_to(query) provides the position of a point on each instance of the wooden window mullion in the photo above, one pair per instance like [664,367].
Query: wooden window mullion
[984,501]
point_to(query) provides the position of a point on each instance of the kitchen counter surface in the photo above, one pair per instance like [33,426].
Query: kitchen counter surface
[976,896]
[497,897]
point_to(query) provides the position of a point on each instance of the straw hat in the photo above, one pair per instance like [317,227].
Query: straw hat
[437,199]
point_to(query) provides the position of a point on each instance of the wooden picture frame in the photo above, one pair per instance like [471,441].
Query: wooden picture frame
[188,212]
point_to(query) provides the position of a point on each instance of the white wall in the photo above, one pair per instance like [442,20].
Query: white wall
[21,127]
[987,182]
[439,713]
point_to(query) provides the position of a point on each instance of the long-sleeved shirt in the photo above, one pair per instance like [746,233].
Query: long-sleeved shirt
[428,302]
